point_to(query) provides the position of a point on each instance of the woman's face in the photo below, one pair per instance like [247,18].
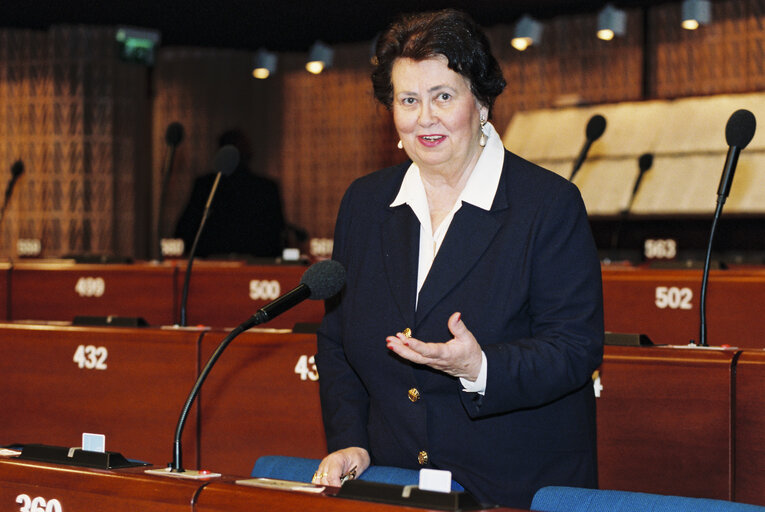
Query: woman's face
[436,115]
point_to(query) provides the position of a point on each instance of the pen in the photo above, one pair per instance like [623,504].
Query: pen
[350,475]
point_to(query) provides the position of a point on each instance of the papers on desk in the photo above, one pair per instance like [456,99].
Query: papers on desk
[285,485]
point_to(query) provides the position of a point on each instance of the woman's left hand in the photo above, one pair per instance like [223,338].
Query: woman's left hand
[458,357]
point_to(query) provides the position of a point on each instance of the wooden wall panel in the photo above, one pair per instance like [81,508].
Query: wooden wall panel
[70,112]
[83,121]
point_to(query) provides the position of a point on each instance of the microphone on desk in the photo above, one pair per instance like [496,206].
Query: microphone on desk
[173,137]
[595,128]
[17,169]
[320,281]
[226,160]
[738,134]
[645,162]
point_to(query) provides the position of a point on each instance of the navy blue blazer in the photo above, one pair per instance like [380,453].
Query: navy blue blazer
[526,278]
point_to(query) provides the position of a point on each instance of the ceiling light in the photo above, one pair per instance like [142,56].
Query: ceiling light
[264,64]
[611,22]
[319,57]
[528,32]
[695,13]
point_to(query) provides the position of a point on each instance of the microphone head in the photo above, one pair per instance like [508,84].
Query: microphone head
[226,160]
[645,162]
[595,127]
[325,279]
[740,128]
[17,169]
[174,134]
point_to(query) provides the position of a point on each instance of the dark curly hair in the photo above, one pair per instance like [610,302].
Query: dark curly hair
[448,32]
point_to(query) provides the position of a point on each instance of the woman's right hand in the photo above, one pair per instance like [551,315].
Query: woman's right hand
[339,463]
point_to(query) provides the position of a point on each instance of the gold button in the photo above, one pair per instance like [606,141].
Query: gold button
[407,332]
[422,457]
[414,394]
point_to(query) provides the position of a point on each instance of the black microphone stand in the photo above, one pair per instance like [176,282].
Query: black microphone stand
[169,158]
[193,251]
[176,466]
[705,276]
[226,160]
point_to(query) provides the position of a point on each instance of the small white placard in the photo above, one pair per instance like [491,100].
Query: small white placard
[93,442]
[290,254]
[435,480]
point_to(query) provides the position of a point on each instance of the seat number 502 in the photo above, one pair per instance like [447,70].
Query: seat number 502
[37,504]
[673,297]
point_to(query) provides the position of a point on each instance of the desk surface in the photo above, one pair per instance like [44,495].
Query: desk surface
[220,293]
[128,490]
[262,398]
[128,384]
[665,304]
[61,291]
[749,440]
[664,421]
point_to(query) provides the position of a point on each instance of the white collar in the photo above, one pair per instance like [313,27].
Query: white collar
[479,190]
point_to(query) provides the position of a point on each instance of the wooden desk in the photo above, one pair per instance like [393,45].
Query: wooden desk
[664,421]
[86,490]
[664,304]
[750,428]
[62,290]
[5,277]
[223,496]
[134,400]
[71,489]
[225,294]
[254,402]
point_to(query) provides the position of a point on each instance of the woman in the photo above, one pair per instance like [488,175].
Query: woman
[471,321]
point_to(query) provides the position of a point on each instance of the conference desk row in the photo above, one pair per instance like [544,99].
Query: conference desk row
[670,420]
[220,293]
[37,487]
[663,304]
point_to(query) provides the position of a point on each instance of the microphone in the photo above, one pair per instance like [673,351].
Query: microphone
[320,281]
[17,169]
[595,128]
[173,137]
[645,162]
[226,160]
[738,134]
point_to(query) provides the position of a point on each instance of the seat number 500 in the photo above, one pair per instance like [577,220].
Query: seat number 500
[37,504]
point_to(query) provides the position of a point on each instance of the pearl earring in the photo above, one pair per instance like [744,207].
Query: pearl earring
[400,144]
[484,138]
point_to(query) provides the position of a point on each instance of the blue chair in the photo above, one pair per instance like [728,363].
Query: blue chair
[575,499]
[298,469]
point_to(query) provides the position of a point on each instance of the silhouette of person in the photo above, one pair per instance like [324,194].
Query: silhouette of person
[246,216]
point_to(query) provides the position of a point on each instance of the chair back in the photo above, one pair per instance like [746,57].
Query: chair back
[576,499]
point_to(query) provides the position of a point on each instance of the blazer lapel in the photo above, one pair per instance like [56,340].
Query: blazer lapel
[401,247]
[469,235]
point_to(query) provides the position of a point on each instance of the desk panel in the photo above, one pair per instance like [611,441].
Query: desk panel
[86,490]
[750,428]
[664,421]
[61,291]
[225,294]
[227,496]
[254,403]
[135,400]
[5,278]
[665,305]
